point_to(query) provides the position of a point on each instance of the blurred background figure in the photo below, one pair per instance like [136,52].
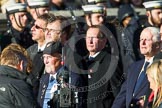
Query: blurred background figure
[137,3]
[17,23]
[94,14]
[58,4]
[5,3]
[117,3]
[114,3]
[154,75]
[21,1]
[129,22]
[100,3]
[37,8]
[154,13]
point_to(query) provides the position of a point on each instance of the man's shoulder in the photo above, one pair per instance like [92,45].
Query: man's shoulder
[139,62]
[136,65]
[44,77]
[13,83]
[33,47]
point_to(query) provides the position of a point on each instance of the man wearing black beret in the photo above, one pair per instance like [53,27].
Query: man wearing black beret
[48,83]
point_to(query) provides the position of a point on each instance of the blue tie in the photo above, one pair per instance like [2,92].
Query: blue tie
[141,77]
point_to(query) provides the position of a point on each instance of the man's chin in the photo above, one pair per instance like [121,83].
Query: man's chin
[48,70]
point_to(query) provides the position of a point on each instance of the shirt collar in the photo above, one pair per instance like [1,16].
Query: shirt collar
[54,75]
[41,47]
[150,60]
[94,55]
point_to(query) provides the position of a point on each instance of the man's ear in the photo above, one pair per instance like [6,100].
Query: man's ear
[88,20]
[11,17]
[20,66]
[148,13]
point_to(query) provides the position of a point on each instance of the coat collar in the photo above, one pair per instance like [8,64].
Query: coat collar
[14,73]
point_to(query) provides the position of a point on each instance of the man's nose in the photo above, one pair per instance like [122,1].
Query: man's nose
[101,19]
[91,40]
[144,42]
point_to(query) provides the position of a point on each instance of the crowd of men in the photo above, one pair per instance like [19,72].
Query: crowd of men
[47,61]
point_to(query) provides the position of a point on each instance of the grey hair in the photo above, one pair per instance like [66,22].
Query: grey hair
[155,31]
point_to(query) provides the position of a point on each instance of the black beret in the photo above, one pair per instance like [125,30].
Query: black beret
[53,47]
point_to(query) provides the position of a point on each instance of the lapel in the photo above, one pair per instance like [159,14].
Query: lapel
[42,88]
[44,85]
[133,75]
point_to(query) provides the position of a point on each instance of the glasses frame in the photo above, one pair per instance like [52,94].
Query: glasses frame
[52,30]
[38,27]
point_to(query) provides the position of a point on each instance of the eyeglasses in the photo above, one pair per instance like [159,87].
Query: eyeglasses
[51,30]
[38,27]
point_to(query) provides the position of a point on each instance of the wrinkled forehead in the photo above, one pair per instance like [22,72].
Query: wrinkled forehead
[40,22]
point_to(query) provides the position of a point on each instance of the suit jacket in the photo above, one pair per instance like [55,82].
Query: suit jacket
[32,51]
[42,88]
[126,98]
[38,66]
[102,87]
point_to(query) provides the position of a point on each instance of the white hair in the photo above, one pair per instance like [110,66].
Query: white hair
[155,31]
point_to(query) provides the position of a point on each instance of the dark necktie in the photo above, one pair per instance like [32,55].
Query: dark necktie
[39,50]
[141,77]
[90,58]
[52,79]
